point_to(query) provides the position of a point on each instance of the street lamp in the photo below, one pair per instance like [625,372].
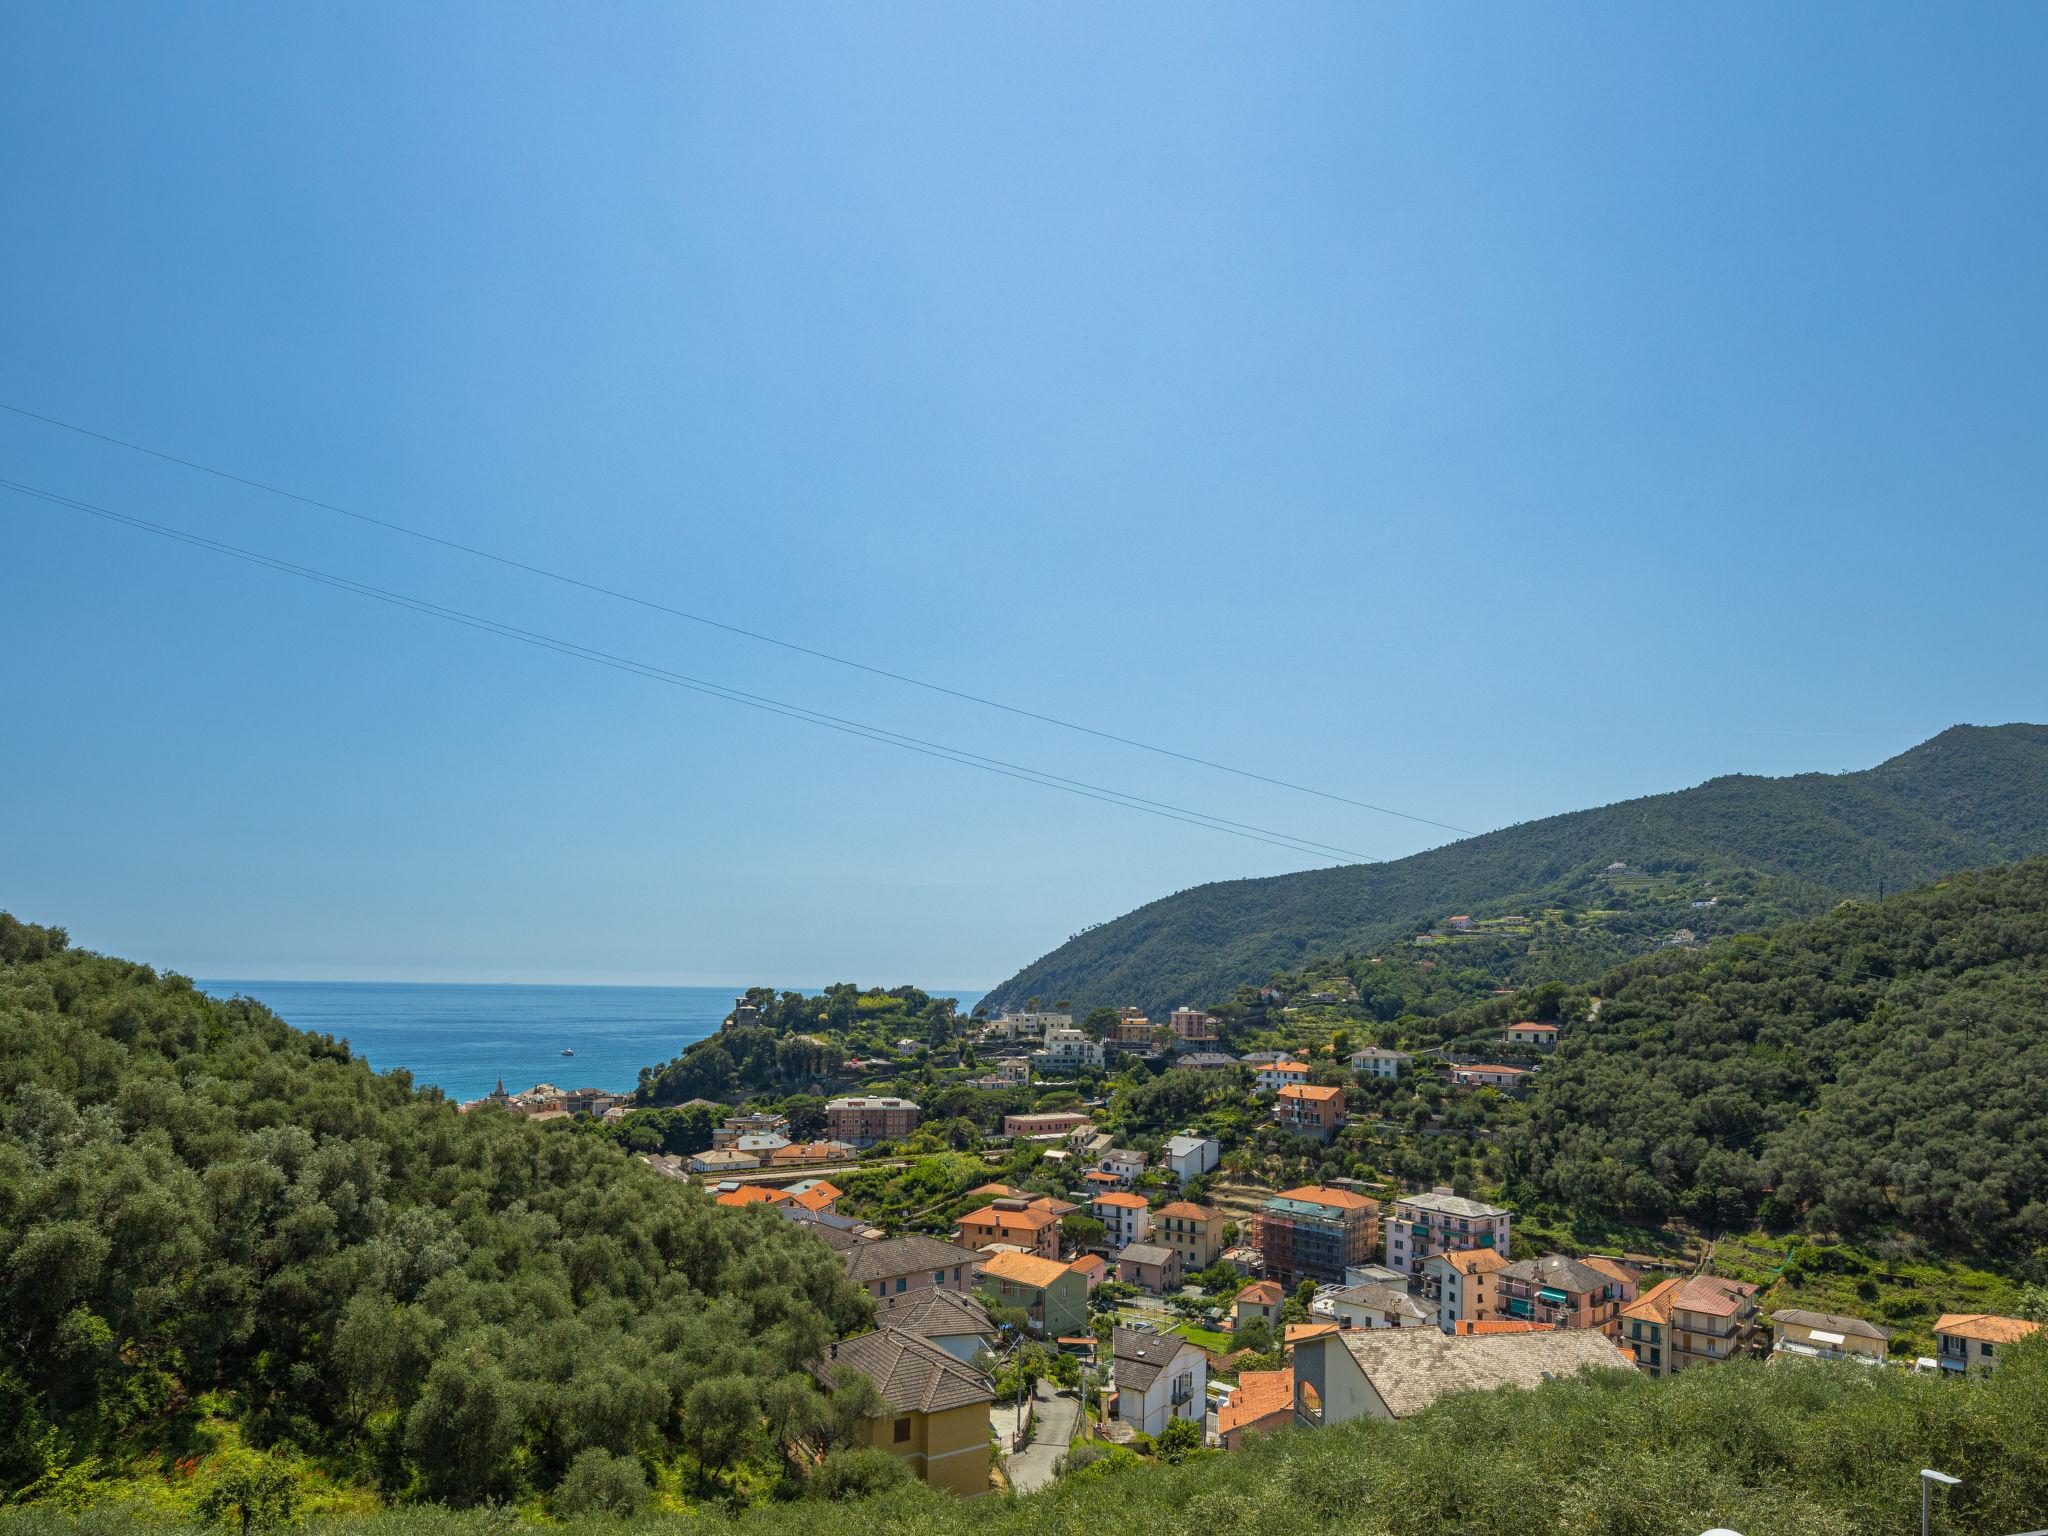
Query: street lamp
[1928,1478]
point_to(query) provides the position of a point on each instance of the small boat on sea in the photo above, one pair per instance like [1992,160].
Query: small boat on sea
[567,1052]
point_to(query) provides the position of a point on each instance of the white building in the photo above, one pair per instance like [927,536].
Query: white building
[1122,1164]
[1067,1050]
[1159,1377]
[1378,1061]
[1378,1306]
[1274,1076]
[1189,1156]
[1031,1026]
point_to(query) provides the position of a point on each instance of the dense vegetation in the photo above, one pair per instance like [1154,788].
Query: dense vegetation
[1802,1450]
[1877,1068]
[223,1234]
[1763,849]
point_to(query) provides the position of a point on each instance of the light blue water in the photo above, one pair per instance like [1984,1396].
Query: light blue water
[461,1038]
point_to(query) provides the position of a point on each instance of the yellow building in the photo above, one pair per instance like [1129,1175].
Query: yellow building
[1802,1335]
[937,1414]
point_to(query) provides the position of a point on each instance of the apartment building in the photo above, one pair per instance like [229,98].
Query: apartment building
[1189,1156]
[1052,1123]
[1126,1218]
[1302,1109]
[1195,1232]
[1068,1050]
[1564,1292]
[1712,1320]
[1378,1061]
[1272,1076]
[1422,1226]
[1192,1028]
[1014,1224]
[865,1121]
[1314,1232]
[1158,1378]
[1460,1284]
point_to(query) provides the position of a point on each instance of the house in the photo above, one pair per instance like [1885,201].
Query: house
[1965,1341]
[1193,1027]
[1132,1031]
[1646,1328]
[1378,1061]
[1093,1269]
[751,1194]
[1262,1403]
[800,1154]
[1195,1232]
[1158,1377]
[1459,1283]
[1712,1320]
[1425,1225]
[1379,1306]
[1393,1373]
[816,1195]
[1275,1075]
[1535,1037]
[1315,1232]
[752,1123]
[1564,1292]
[1068,1050]
[1010,1072]
[1206,1061]
[1483,1075]
[1189,1156]
[760,1146]
[1149,1267]
[1015,1222]
[1802,1335]
[1061,1123]
[1122,1165]
[723,1160]
[1053,1295]
[1258,1059]
[1125,1217]
[1258,1302]
[939,1422]
[862,1122]
[896,1266]
[1459,924]
[1305,1110]
[1245,1259]
[958,1324]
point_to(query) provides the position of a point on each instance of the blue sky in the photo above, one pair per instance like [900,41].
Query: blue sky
[1484,413]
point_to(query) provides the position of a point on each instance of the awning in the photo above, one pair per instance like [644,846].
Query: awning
[1831,1340]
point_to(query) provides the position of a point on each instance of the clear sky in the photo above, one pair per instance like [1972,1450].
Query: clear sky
[1486,411]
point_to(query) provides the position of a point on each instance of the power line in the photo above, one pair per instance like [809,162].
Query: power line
[734,629]
[1289,841]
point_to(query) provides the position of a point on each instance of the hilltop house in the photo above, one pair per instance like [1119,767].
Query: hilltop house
[1458,1282]
[1158,1377]
[1378,1061]
[1802,1335]
[1391,1373]
[1535,1037]
[1485,1075]
[896,1266]
[1275,1075]
[1965,1341]
[1053,1296]
[940,1405]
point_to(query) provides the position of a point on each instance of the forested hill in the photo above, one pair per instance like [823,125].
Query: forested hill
[1879,1068]
[215,1226]
[1778,848]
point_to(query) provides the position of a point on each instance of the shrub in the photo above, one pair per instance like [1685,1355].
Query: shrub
[599,1483]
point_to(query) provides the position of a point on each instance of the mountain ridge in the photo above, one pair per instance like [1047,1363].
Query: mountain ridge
[1967,797]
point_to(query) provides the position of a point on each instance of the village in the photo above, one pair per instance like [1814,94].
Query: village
[1138,1301]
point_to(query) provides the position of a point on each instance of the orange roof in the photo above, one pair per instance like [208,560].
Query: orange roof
[1187,1210]
[1654,1305]
[1259,1395]
[1474,1261]
[1289,1069]
[1547,1029]
[1090,1264]
[1123,1200]
[1322,1194]
[753,1194]
[1263,1293]
[996,1192]
[1985,1327]
[1097,1176]
[1614,1269]
[1502,1325]
[1298,1333]
[1023,1221]
[818,1196]
[1303,1091]
[1025,1268]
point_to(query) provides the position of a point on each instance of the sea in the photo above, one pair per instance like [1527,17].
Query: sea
[463,1038]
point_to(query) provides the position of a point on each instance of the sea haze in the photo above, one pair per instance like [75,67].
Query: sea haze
[460,1039]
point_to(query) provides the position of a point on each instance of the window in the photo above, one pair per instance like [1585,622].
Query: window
[902,1284]
[938,1277]
[1309,1401]
[1984,1351]
[956,1274]
[903,1429]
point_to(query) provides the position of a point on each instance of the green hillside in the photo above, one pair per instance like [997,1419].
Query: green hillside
[1762,849]
[1878,1069]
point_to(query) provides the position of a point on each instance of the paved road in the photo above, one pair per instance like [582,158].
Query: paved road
[1058,1414]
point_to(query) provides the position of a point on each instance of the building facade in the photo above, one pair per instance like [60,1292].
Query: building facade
[1422,1226]
[862,1122]
[1301,1109]
[1460,1284]
[1195,1232]
[1314,1232]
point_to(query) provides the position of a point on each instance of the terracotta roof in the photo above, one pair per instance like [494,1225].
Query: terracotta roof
[1187,1210]
[1090,1264]
[1123,1200]
[753,1194]
[1713,1295]
[1985,1327]
[1473,1261]
[1541,1029]
[1654,1305]
[996,1192]
[1613,1269]
[1025,1268]
[1304,1091]
[1297,1332]
[914,1374]
[1259,1395]
[1410,1368]
[934,1313]
[905,1256]
[1263,1293]
[1319,1194]
[818,1196]
[1502,1325]
[1026,1220]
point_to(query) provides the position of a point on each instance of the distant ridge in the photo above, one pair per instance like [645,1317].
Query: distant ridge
[1971,796]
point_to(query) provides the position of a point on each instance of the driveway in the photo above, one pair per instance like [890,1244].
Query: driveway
[1058,1415]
